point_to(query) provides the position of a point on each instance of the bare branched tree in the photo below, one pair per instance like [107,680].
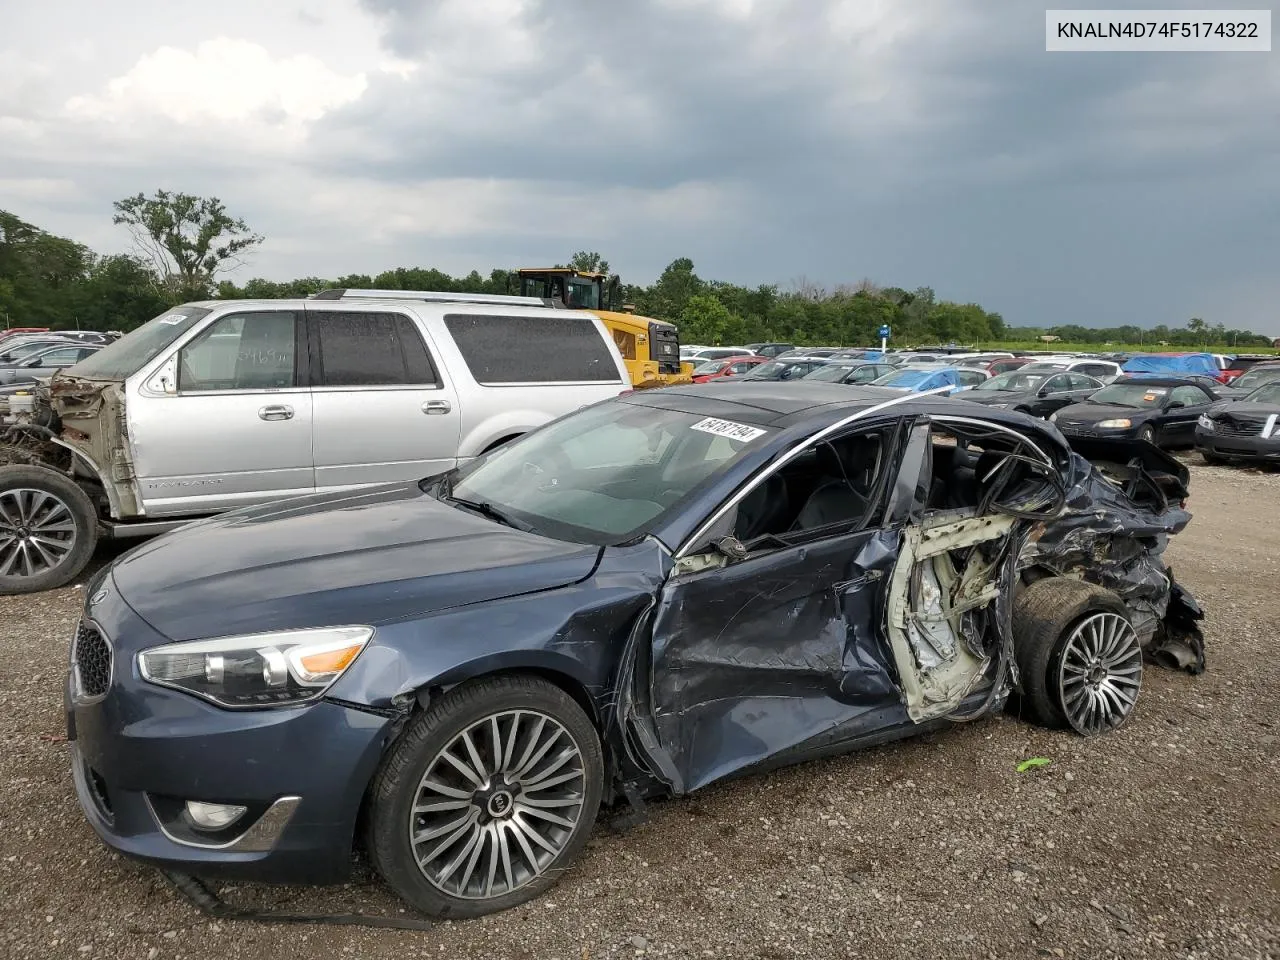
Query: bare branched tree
[188,239]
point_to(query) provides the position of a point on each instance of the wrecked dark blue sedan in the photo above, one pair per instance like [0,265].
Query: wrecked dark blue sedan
[639,600]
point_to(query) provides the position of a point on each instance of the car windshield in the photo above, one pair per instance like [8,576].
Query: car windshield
[602,475]
[1268,393]
[1256,378]
[136,349]
[711,366]
[1130,395]
[833,372]
[1014,381]
[777,370]
[904,378]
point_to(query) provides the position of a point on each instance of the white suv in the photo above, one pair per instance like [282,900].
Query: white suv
[229,403]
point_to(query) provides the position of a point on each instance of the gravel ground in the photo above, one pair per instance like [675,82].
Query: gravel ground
[1161,840]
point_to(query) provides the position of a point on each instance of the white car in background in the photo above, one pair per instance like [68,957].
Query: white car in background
[716,353]
[1103,370]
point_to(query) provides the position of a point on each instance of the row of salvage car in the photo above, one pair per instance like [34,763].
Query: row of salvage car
[1173,400]
[640,599]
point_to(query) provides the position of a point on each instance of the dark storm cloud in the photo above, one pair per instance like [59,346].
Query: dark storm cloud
[934,142]
[1057,188]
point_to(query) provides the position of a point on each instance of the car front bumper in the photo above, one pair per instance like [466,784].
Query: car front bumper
[139,752]
[1099,433]
[1230,447]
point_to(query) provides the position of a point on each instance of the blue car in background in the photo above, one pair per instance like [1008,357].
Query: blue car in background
[922,379]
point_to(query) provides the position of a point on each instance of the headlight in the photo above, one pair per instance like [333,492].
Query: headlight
[1205,423]
[998,406]
[1053,418]
[1114,424]
[259,670]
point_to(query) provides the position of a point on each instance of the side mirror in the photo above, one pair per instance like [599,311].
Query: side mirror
[1175,404]
[732,548]
[1042,392]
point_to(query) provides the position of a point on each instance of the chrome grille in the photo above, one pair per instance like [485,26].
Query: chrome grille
[1237,426]
[1080,428]
[91,660]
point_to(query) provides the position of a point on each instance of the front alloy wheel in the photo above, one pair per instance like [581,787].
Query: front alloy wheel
[497,805]
[48,529]
[487,797]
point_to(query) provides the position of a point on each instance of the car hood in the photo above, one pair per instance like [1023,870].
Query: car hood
[1093,412]
[1240,408]
[996,396]
[365,557]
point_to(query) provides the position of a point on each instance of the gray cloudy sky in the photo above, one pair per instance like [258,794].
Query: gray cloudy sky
[921,142]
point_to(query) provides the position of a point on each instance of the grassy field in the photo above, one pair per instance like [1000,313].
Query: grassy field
[1067,347]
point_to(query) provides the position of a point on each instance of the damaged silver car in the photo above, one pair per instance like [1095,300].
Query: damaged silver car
[640,599]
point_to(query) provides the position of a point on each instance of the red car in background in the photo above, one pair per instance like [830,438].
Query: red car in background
[727,367]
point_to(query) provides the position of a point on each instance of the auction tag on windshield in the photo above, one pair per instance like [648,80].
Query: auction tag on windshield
[728,429]
[173,318]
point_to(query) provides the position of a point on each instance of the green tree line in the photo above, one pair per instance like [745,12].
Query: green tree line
[185,242]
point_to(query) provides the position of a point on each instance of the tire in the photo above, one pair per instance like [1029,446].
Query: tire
[500,443]
[485,814]
[1055,623]
[44,510]
[1212,459]
[1147,433]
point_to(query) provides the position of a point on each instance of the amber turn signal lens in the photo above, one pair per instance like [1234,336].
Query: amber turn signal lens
[330,661]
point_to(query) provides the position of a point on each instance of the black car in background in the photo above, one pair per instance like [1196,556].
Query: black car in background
[1160,410]
[783,368]
[1038,394]
[1242,430]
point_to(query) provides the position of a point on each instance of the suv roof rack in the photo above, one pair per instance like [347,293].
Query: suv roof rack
[431,296]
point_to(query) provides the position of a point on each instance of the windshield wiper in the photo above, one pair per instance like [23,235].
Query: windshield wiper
[487,510]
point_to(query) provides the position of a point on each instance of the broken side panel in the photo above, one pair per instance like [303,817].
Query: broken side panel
[942,600]
[772,654]
[1113,532]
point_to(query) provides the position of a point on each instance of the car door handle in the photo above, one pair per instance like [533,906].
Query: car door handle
[277,411]
[436,407]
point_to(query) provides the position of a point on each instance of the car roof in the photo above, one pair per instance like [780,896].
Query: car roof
[1164,381]
[765,402]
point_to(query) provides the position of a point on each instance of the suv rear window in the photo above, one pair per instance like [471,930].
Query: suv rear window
[532,349]
[370,350]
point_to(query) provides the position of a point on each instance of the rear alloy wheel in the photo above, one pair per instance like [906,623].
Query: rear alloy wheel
[487,797]
[1079,658]
[1099,673]
[48,529]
